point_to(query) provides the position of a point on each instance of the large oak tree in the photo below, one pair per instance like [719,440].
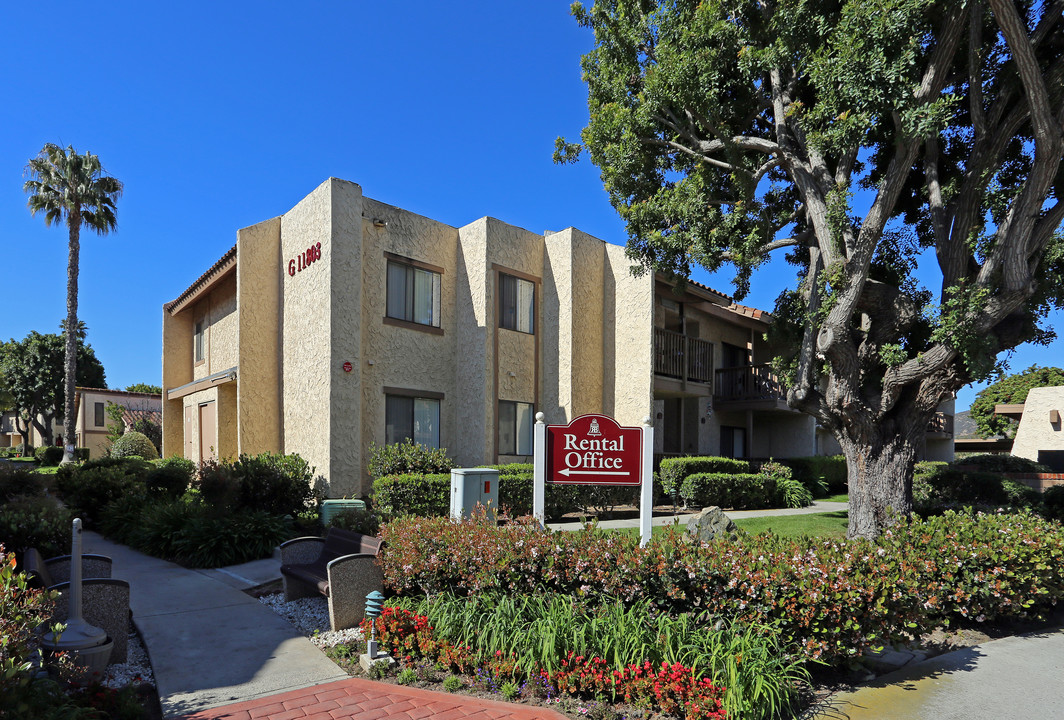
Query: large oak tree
[862,139]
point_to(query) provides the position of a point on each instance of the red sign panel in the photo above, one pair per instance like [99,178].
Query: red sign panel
[594,450]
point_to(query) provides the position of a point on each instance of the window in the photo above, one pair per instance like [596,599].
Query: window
[515,428]
[732,442]
[198,343]
[517,303]
[413,294]
[98,420]
[417,418]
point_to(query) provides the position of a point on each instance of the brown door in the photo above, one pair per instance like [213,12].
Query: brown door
[208,432]
[190,433]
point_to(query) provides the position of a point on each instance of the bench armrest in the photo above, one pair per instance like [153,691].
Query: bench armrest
[301,550]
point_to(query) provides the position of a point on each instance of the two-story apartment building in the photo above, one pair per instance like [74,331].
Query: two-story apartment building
[347,322]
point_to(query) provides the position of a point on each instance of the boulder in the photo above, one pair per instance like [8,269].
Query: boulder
[711,524]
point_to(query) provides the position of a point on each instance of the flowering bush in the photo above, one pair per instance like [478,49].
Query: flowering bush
[830,599]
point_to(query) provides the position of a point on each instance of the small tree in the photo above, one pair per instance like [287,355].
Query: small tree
[1010,390]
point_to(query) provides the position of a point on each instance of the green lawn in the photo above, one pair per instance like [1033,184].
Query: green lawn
[829,525]
[836,498]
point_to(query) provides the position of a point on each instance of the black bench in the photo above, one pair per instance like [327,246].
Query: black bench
[342,566]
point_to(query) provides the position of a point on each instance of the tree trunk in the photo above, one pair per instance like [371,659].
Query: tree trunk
[70,365]
[880,487]
[23,431]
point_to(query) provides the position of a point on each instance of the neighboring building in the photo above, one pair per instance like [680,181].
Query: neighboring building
[90,404]
[1039,436]
[92,419]
[346,322]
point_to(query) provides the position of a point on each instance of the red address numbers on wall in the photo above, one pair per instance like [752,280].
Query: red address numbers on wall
[304,259]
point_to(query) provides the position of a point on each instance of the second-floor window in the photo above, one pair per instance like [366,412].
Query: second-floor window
[98,411]
[413,294]
[199,343]
[517,304]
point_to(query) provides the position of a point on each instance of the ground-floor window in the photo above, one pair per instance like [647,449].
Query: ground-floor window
[515,428]
[732,442]
[416,418]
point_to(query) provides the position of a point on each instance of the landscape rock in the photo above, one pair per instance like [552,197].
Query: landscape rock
[711,524]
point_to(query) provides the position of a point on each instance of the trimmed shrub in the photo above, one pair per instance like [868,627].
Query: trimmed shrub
[87,489]
[407,458]
[23,450]
[827,471]
[275,484]
[673,471]
[790,493]
[170,477]
[411,494]
[48,455]
[19,483]
[134,444]
[1018,495]
[38,522]
[1053,502]
[1000,463]
[741,491]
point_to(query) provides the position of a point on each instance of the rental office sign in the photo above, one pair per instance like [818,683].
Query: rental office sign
[594,450]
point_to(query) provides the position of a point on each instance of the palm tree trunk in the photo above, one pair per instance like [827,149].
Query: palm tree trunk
[70,365]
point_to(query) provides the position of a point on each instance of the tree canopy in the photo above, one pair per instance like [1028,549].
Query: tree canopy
[1010,390]
[33,372]
[866,141]
[144,388]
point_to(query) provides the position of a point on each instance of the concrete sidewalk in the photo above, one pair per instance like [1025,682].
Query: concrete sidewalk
[682,517]
[1015,677]
[209,643]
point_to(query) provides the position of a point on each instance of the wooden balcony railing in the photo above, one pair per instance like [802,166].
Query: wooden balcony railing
[941,423]
[748,382]
[679,356]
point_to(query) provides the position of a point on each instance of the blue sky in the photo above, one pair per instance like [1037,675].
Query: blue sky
[220,115]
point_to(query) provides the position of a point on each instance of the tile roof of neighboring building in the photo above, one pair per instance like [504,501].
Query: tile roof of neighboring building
[131,415]
[217,270]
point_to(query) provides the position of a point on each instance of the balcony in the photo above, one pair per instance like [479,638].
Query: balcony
[682,357]
[940,425]
[749,387]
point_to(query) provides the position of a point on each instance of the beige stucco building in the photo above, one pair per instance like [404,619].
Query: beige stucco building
[347,322]
[91,425]
[1040,434]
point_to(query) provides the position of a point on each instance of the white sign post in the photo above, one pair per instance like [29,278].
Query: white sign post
[539,469]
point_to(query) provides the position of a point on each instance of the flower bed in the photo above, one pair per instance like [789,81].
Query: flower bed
[830,600]
[669,688]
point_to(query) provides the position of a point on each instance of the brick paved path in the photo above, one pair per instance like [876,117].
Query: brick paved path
[357,699]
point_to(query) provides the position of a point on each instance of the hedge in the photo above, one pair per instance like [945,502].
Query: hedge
[674,470]
[423,495]
[829,470]
[741,491]
[830,599]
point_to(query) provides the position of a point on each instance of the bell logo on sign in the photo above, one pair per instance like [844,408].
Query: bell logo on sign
[594,450]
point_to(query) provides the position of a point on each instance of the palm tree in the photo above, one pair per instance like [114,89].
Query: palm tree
[67,186]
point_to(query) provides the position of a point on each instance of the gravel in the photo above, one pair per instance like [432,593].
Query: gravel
[310,615]
[134,671]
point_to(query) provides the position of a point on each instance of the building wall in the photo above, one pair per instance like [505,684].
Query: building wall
[93,436]
[177,371]
[259,277]
[628,340]
[1036,430]
[307,329]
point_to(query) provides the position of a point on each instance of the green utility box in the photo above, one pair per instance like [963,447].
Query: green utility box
[332,508]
